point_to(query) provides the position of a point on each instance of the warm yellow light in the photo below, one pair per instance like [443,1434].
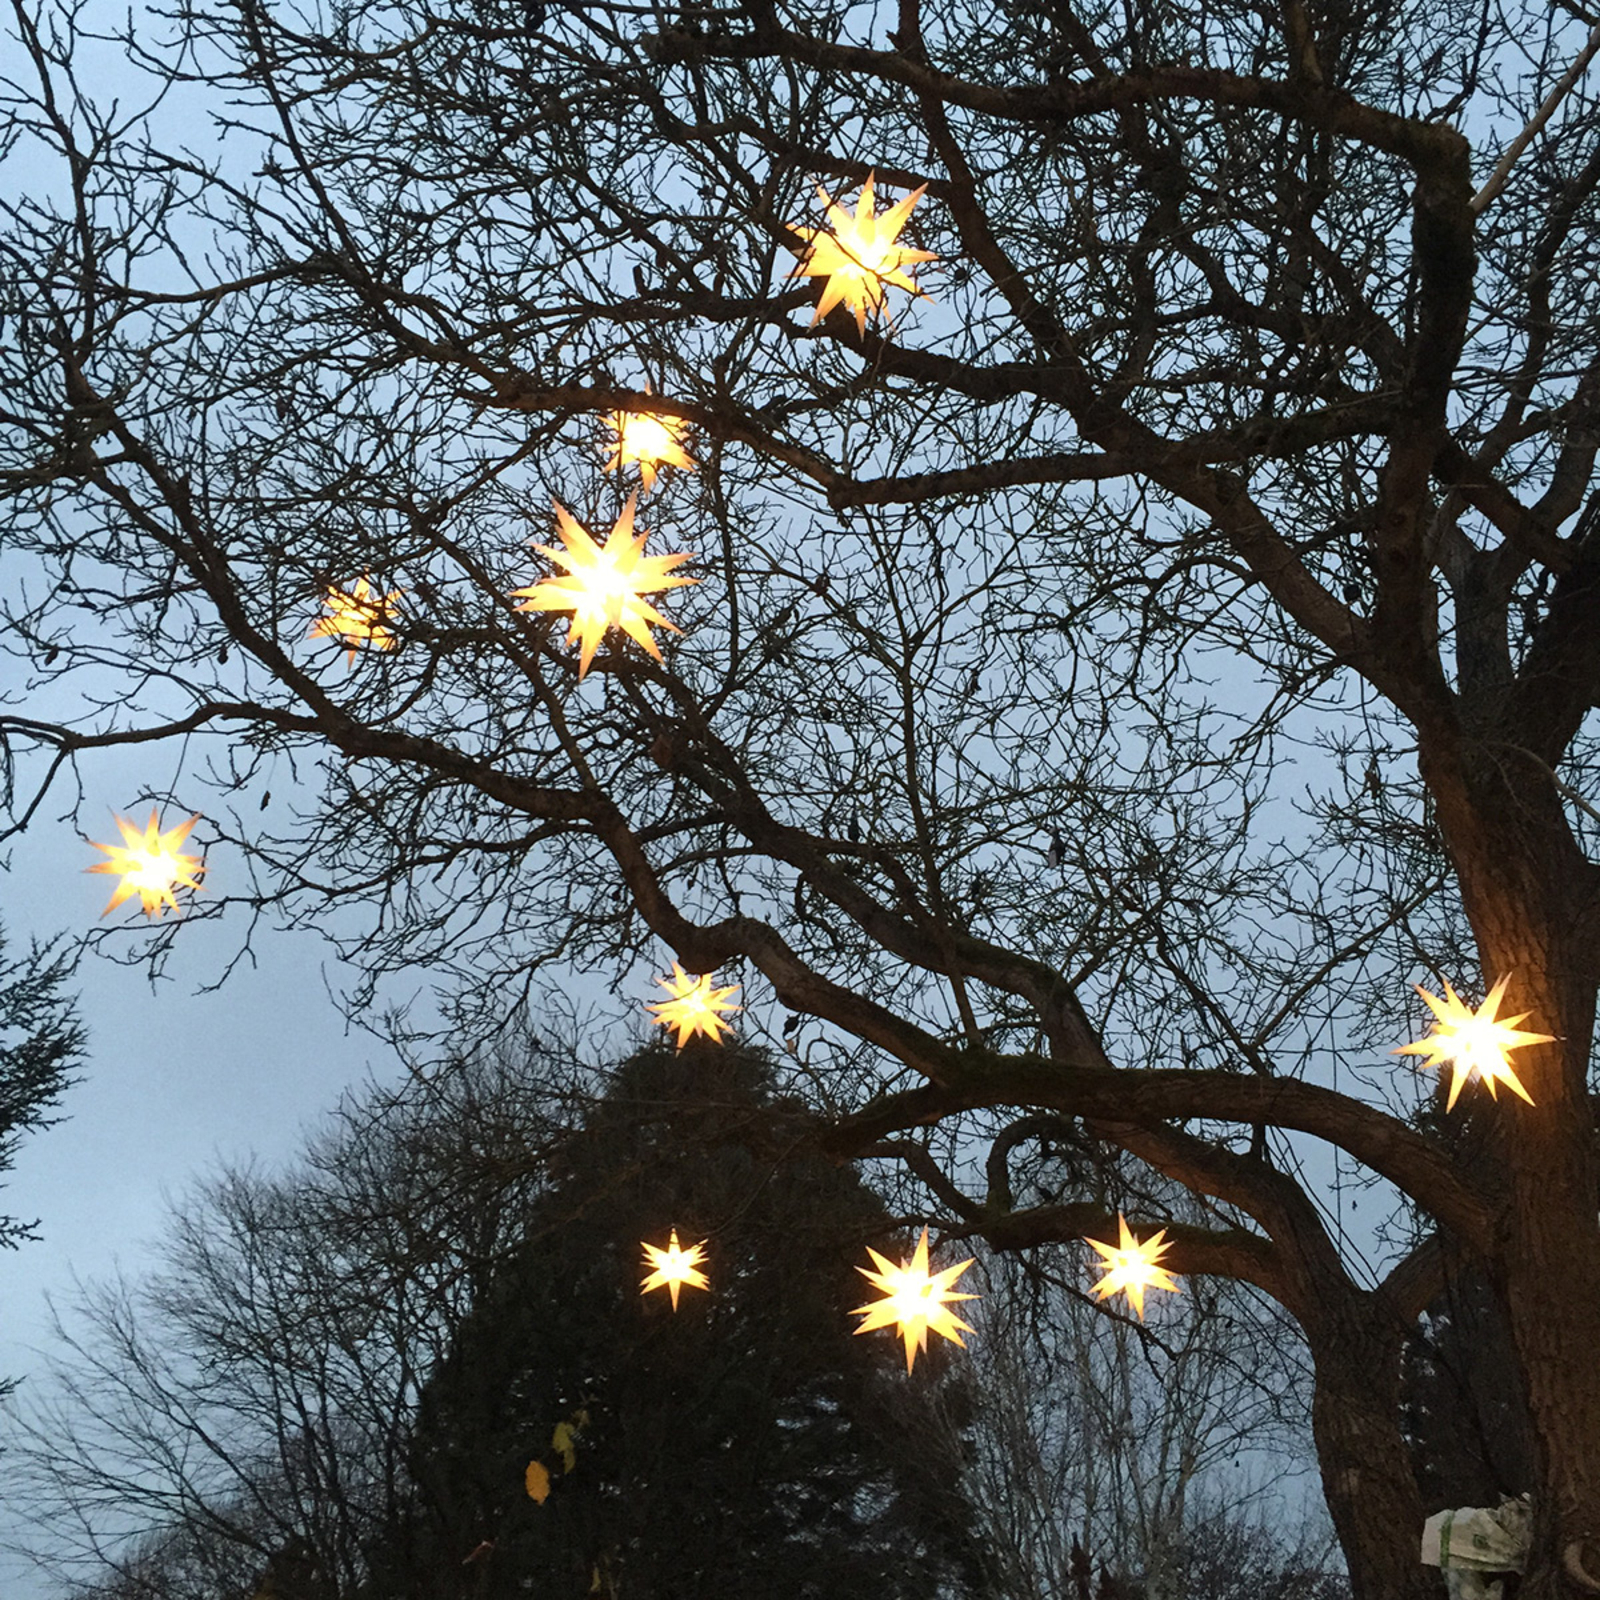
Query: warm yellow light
[860,258]
[357,616]
[1130,1267]
[695,1007]
[603,585]
[1473,1042]
[674,1267]
[914,1299]
[151,864]
[651,441]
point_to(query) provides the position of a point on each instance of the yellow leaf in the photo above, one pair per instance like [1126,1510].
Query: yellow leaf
[564,1442]
[537,1478]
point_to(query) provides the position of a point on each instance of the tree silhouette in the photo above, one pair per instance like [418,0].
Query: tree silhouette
[746,1443]
[1106,686]
[41,1043]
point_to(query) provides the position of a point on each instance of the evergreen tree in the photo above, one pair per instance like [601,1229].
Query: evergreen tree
[745,1443]
[41,1041]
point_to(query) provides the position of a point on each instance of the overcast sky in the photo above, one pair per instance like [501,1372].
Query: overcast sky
[175,1082]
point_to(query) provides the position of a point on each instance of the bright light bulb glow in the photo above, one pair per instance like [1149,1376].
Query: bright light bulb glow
[1473,1043]
[1130,1266]
[674,1267]
[150,864]
[915,1300]
[604,585]
[859,257]
[358,616]
[695,1006]
[649,441]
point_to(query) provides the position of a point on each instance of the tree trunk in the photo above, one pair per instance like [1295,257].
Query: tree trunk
[1367,1475]
[1550,1273]
[1529,895]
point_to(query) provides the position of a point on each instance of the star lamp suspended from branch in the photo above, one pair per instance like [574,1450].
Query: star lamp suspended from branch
[695,1007]
[650,441]
[1130,1266]
[914,1299]
[604,585]
[1473,1042]
[674,1267]
[150,864]
[859,257]
[358,616]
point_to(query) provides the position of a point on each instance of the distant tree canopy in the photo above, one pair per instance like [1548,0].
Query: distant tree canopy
[746,1443]
[334,1387]
[1108,683]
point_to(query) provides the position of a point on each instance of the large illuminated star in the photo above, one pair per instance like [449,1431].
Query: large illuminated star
[1473,1042]
[651,441]
[674,1267]
[357,616]
[695,1007]
[1130,1267]
[151,864]
[603,585]
[860,258]
[914,1299]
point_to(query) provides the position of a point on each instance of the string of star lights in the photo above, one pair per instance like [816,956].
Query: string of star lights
[1131,1266]
[604,585]
[674,1267]
[695,1007]
[859,256]
[358,616]
[1473,1043]
[150,864]
[914,1299]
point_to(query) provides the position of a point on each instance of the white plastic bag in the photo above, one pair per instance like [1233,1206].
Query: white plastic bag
[1473,1541]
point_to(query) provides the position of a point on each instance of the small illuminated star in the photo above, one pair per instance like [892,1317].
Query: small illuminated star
[603,585]
[860,258]
[674,1267]
[914,1299]
[695,1007]
[651,441]
[356,616]
[1131,1266]
[1473,1042]
[151,864]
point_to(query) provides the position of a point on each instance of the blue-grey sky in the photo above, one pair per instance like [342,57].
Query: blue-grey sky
[175,1081]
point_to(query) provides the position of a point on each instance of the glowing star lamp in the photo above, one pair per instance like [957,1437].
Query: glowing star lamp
[1473,1042]
[695,1007]
[603,585]
[653,442]
[860,258]
[914,1299]
[150,864]
[1130,1267]
[674,1267]
[356,617]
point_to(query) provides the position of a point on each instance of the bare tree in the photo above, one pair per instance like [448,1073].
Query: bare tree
[1103,689]
[335,1387]
[1103,1443]
[255,1397]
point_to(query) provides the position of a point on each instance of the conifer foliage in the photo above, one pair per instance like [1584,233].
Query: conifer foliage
[585,1438]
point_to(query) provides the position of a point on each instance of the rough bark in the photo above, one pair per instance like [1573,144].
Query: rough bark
[1367,1476]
